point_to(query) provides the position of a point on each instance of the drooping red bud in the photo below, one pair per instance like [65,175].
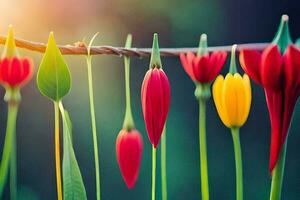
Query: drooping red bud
[277,69]
[129,148]
[280,76]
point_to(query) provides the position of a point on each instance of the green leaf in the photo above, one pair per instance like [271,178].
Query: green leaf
[69,123]
[53,77]
[73,186]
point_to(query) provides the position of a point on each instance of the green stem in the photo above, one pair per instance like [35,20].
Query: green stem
[57,152]
[8,143]
[277,175]
[164,165]
[203,154]
[238,163]
[13,169]
[94,129]
[153,171]
[128,121]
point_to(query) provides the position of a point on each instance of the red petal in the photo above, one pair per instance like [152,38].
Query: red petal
[4,69]
[271,68]
[275,106]
[216,62]
[250,62]
[27,70]
[292,67]
[129,147]
[201,68]
[16,71]
[186,61]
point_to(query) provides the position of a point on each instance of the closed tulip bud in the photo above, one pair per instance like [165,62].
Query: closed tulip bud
[232,97]
[155,96]
[129,147]
[15,71]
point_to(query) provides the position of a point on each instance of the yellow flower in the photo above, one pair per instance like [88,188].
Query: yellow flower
[232,97]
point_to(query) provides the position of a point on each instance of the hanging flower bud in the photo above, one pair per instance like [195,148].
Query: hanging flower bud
[129,143]
[155,96]
[277,70]
[232,96]
[203,67]
[15,71]
[129,147]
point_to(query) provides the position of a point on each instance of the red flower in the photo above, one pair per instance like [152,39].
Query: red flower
[15,71]
[155,102]
[129,147]
[280,77]
[203,68]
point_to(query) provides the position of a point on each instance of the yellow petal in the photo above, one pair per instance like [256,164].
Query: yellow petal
[217,96]
[229,99]
[247,86]
[241,99]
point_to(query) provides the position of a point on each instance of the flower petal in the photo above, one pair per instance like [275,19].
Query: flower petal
[250,62]
[271,68]
[186,61]
[230,100]
[217,96]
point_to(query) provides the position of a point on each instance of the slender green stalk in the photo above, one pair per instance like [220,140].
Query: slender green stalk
[238,163]
[128,121]
[13,169]
[57,152]
[277,175]
[203,154]
[153,171]
[164,166]
[8,144]
[94,128]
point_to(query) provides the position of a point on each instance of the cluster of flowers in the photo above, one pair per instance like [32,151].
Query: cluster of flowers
[276,69]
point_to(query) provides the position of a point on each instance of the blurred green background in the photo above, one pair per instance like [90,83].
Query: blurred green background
[179,24]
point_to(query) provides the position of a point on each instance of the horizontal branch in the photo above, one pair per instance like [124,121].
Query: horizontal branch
[80,49]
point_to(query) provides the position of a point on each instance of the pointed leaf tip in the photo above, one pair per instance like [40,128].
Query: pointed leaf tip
[128,41]
[155,60]
[202,49]
[10,45]
[232,68]
[283,36]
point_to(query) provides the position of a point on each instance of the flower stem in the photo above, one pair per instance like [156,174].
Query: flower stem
[277,175]
[13,169]
[238,163]
[57,152]
[128,121]
[94,128]
[153,171]
[203,154]
[163,166]
[8,144]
